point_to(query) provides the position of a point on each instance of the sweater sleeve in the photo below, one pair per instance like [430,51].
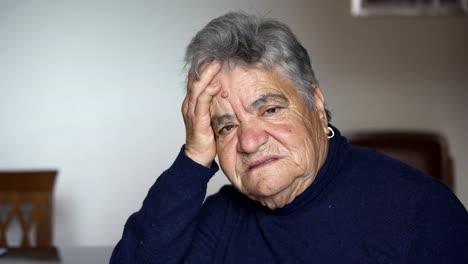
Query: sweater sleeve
[162,230]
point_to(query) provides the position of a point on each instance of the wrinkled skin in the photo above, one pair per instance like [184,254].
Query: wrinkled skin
[269,143]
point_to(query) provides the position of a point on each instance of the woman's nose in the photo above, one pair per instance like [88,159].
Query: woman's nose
[251,137]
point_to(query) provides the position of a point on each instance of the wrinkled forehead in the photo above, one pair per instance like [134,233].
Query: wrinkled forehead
[243,85]
[246,79]
[231,75]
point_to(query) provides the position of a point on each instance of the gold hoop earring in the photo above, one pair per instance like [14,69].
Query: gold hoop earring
[332,133]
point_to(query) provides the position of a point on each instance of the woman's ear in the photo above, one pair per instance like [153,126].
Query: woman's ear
[319,101]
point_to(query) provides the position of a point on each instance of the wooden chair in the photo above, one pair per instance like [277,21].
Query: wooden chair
[27,197]
[424,150]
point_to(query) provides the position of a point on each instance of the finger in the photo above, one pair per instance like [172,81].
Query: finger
[202,106]
[198,86]
[184,107]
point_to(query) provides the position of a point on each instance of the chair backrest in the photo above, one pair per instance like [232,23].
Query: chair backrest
[426,151]
[26,196]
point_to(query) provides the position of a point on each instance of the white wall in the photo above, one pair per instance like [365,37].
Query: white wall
[94,88]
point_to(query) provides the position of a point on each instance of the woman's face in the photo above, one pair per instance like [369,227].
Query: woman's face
[269,143]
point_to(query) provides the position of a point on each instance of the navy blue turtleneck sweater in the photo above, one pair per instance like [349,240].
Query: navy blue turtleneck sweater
[363,207]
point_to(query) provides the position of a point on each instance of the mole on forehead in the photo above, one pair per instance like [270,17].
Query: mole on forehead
[224,94]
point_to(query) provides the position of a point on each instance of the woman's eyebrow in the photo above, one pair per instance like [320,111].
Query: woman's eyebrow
[217,120]
[268,98]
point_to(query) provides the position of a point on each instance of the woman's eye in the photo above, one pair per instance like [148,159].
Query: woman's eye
[226,129]
[271,111]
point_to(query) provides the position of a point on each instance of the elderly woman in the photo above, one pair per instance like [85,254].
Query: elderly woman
[300,193]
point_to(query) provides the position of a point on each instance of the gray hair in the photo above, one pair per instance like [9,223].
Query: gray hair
[268,44]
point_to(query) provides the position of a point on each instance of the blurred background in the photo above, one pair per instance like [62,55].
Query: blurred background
[94,88]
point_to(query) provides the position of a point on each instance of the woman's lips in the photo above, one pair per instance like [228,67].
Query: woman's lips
[262,161]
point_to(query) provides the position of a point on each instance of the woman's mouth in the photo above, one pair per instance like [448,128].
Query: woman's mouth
[260,162]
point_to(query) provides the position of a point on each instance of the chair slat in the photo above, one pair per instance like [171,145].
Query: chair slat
[20,189]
